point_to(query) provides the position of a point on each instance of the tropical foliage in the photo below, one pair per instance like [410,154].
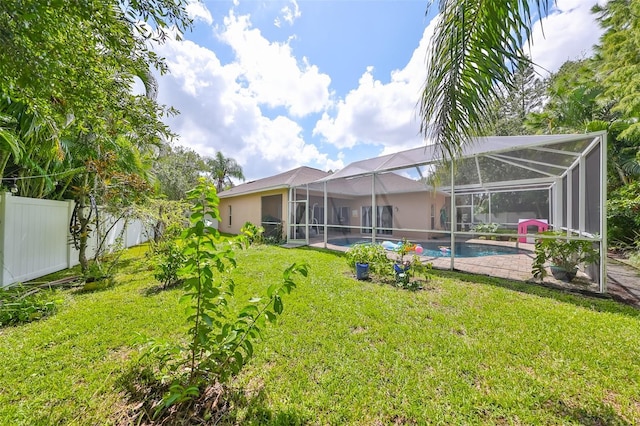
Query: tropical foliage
[474,47]
[79,59]
[525,96]
[222,169]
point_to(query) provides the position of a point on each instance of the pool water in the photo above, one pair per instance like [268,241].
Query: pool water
[441,248]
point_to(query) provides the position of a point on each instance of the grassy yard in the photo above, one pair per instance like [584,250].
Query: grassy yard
[465,350]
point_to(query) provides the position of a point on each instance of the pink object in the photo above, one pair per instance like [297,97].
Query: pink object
[419,249]
[524,224]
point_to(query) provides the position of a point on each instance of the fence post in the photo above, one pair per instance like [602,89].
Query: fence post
[4,200]
[70,208]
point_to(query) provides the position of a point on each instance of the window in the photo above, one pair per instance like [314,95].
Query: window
[433,216]
[384,219]
[229,216]
[341,216]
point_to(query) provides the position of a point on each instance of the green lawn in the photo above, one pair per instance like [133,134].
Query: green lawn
[465,350]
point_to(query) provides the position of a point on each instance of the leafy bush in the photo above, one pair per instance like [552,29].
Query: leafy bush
[372,254]
[170,259]
[19,304]
[273,231]
[405,271]
[485,227]
[623,214]
[561,252]
[253,233]
[419,268]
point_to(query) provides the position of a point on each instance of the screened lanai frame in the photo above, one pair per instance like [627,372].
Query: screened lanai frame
[569,169]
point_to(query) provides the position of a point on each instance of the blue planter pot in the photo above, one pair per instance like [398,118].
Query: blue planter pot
[401,272]
[362,271]
[400,269]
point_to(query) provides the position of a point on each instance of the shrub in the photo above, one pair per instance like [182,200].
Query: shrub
[372,254]
[253,233]
[564,253]
[19,304]
[485,227]
[169,260]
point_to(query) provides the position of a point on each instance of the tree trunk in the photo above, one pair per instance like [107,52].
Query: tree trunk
[84,215]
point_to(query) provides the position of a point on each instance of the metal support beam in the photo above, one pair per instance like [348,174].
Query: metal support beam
[326,215]
[517,164]
[374,209]
[582,195]
[306,224]
[454,219]
[603,213]
[569,199]
[558,205]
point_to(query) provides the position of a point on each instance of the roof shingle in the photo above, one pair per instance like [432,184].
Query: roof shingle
[294,177]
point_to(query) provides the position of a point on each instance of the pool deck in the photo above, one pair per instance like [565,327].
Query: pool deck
[623,281]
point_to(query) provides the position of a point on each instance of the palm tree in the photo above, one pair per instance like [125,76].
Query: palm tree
[222,169]
[476,46]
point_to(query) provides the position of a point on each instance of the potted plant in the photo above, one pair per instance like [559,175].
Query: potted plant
[564,255]
[401,267]
[365,257]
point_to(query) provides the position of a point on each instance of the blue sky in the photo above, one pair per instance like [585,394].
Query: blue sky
[281,84]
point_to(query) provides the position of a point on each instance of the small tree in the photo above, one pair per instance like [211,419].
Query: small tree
[220,343]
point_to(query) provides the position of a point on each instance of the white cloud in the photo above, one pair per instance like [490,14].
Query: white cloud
[568,33]
[198,11]
[386,114]
[378,113]
[290,14]
[274,76]
[219,112]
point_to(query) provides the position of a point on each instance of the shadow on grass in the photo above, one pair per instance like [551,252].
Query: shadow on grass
[159,288]
[321,250]
[256,411]
[596,416]
[217,404]
[599,303]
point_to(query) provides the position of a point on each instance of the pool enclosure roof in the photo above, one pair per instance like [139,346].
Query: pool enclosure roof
[488,163]
[496,180]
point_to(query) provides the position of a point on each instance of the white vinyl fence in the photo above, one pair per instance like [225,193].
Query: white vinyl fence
[35,239]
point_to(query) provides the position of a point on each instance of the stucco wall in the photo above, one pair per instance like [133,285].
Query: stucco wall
[246,208]
[410,210]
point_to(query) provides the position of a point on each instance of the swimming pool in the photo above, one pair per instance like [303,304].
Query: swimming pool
[439,248]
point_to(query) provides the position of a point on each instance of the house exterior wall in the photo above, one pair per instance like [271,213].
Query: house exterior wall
[410,211]
[247,208]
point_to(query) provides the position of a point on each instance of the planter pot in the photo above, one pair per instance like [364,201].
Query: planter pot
[400,269]
[362,271]
[402,272]
[562,274]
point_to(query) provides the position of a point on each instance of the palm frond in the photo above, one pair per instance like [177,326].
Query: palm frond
[475,47]
[632,166]
[9,141]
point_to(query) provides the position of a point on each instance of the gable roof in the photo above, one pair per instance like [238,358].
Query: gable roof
[295,177]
